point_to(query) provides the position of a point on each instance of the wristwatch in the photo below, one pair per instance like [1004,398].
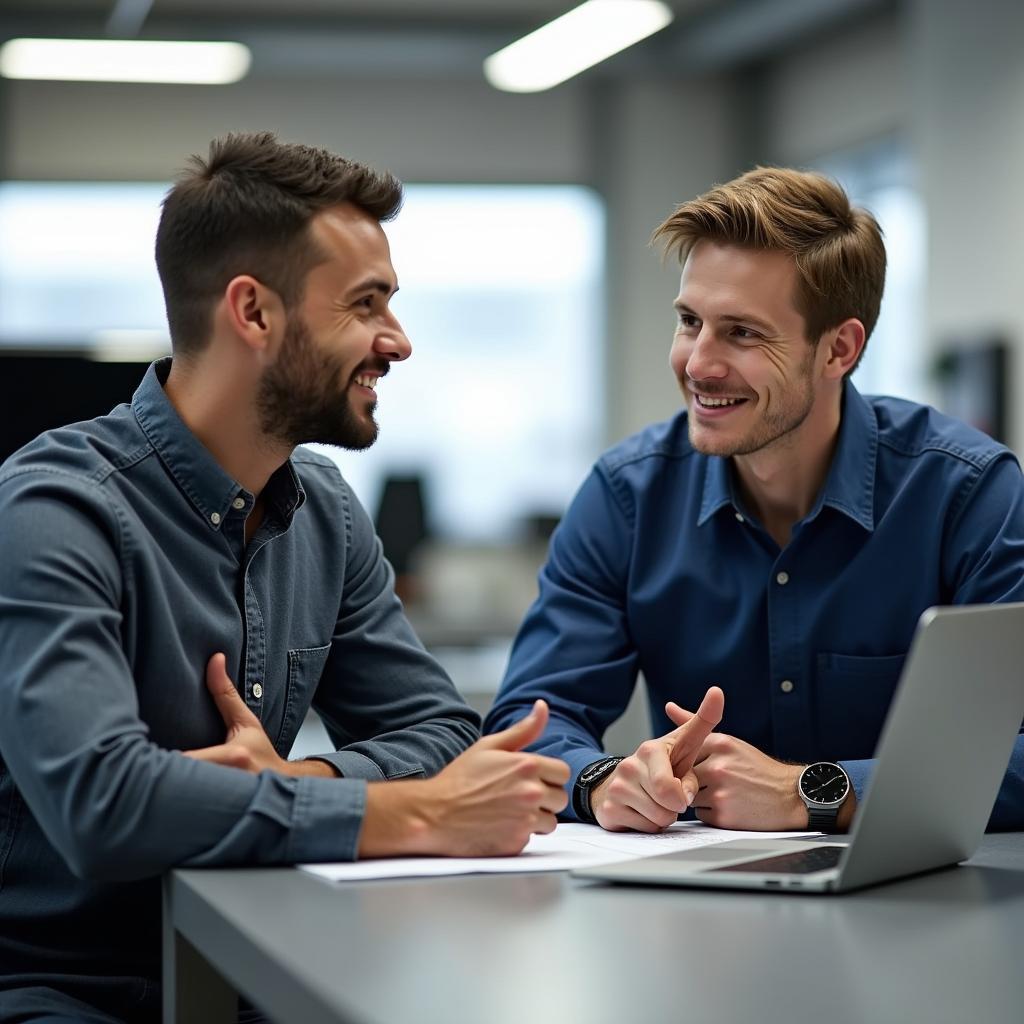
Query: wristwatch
[823,787]
[586,781]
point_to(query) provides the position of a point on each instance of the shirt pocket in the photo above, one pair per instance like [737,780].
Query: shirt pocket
[305,666]
[853,697]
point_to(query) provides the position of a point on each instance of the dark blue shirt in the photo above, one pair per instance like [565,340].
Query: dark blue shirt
[123,568]
[658,568]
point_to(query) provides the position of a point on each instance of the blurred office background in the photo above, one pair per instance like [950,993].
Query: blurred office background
[540,318]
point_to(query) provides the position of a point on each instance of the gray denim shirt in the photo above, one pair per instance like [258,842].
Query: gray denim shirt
[123,568]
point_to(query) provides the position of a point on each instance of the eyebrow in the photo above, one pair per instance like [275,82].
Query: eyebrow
[375,284]
[733,318]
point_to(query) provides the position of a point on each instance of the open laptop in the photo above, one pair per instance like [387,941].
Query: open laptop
[941,758]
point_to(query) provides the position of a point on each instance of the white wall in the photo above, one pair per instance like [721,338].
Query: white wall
[447,131]
[968,129]
[834,94]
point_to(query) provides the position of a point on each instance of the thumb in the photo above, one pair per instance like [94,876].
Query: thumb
[691,734]
[228,700]
[522,734]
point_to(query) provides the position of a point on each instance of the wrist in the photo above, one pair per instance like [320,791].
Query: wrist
[825,789]
[312,766]
[397,820]
[591,781]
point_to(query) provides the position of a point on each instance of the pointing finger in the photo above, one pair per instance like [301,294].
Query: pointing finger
[691,735]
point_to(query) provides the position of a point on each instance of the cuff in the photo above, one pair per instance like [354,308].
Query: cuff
[860,776]
[327,819]
[350,764]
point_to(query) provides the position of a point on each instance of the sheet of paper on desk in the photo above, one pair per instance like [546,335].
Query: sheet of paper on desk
[571,845]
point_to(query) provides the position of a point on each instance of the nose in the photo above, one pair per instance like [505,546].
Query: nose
[391,342]
[705,361]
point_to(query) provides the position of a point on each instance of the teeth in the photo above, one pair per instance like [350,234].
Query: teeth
[366,382]
[714,403]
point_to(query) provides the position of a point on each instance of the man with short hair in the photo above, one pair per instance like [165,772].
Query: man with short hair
[184,548]
[779,538]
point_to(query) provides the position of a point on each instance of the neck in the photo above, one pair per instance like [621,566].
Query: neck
[781,482]
[217,402]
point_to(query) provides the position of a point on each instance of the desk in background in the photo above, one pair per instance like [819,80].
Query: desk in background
[944,948]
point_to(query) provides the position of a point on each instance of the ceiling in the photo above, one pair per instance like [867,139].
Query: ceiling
[442,38]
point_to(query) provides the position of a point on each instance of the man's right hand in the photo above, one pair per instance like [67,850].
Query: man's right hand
[649,789]
[487,802]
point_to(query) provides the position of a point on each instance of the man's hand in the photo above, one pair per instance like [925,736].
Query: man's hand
[743,788]
[649,789]
[487,802]
[246,745]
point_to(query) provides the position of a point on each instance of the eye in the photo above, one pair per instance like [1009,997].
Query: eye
[688,321]
[745,333]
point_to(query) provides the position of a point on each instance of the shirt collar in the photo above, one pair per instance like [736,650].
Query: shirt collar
[210,490]
[850,484]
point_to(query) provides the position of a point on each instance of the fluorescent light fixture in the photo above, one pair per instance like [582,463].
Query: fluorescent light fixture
[574,42]
[124,60]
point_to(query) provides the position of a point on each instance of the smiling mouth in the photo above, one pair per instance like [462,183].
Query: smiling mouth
[711,402]
[367,380]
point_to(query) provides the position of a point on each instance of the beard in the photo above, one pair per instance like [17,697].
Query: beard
[300,399]
[774,428]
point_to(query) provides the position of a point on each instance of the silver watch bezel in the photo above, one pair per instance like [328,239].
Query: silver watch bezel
[817,805]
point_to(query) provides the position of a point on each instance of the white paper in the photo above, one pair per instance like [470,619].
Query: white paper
[571,845]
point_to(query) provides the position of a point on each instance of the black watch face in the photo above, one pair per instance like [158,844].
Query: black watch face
[595,771]
[824,783]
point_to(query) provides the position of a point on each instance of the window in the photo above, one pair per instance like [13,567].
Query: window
[880,177]
[498,410]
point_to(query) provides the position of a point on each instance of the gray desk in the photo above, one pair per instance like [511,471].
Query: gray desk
[543,948]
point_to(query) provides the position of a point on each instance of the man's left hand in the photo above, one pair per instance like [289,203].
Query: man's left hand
[246,746]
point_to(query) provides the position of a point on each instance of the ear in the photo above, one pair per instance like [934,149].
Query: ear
[254,312]
[844,346]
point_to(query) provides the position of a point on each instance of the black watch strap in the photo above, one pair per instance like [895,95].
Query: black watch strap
[586,781]
[822,819]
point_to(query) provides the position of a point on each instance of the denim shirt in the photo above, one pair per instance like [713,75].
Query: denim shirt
[659,568]
[123,568]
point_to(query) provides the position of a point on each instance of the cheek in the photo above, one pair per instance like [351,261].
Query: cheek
[678,356]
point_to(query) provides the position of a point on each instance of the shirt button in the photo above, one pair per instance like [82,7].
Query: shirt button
[782,579]
[739,517]
[786,686]
[257,690]
[238,503]
[215,518]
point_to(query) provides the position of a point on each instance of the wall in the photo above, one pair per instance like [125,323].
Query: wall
[968,130]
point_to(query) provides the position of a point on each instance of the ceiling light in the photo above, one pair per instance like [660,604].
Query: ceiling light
[577,40]
[124,60]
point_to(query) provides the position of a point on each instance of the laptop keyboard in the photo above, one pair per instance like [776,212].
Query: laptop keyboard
[801,862]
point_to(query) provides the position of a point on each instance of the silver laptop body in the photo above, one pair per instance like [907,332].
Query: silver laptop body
[940,760]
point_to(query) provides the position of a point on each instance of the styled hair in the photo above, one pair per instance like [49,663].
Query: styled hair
[837,249]
[246,209]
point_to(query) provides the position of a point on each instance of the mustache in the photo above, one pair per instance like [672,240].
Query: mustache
[710,389]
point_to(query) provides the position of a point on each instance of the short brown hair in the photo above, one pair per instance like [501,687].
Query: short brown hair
[837,249]
[246,210]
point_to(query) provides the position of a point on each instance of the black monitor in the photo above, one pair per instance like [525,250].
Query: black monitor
[41,390]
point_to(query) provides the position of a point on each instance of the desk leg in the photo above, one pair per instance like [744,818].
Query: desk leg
[193,992]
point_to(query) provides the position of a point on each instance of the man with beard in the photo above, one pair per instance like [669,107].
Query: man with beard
[779,538]
[179,569]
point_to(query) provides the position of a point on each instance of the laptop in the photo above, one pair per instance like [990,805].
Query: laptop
[940,760]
